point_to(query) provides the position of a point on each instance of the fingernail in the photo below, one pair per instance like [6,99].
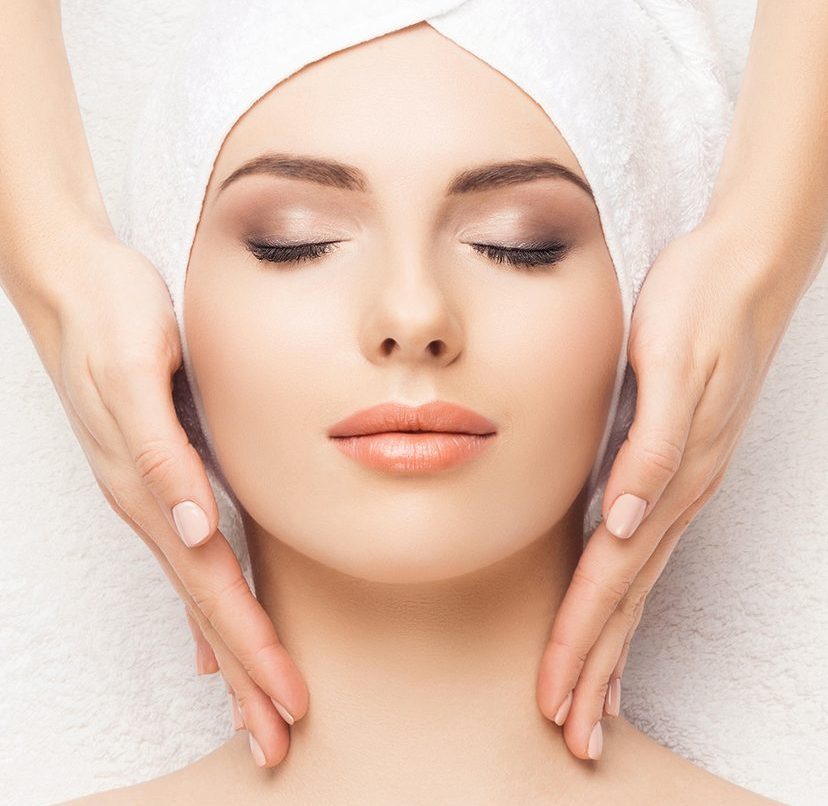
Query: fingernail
[201,660]
[238,722]
[625,515]
[256,750]
[614,697]
[563,710]
[283,711]
[596,741]
[191,522]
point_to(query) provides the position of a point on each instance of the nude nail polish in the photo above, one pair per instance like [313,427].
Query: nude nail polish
[283,712]
[191,523]
[626,515]
[614,697]
[596,741]
[201,661]
[560,717]
[238,722]
[256,750]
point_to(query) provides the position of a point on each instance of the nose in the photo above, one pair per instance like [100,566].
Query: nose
[412,318]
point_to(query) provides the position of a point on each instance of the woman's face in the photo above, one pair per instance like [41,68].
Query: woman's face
[402,307]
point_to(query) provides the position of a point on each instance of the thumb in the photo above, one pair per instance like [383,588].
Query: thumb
[654,449]
[161,452]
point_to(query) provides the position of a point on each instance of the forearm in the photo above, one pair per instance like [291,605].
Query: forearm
[774,174]
[48,185]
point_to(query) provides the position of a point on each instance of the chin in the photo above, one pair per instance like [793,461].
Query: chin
[414,553]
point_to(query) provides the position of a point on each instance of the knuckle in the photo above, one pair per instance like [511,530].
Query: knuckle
[607,590]
[211,602]
[660,452]
[600,686]
[596,683]
[572,648]
[251,662]
[243,699]
[155,463]
[631,605]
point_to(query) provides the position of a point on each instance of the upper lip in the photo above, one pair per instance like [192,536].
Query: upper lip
[438,415]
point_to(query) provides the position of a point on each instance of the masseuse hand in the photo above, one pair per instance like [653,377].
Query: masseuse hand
[710,316]
[109,340]
[711,313]
[102,321]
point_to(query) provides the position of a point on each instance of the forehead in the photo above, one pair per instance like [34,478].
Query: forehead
[397,105]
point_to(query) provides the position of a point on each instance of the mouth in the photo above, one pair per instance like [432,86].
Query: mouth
[436,416]
[402,439]
[413,451]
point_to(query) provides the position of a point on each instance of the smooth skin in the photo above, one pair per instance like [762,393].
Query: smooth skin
[767,225]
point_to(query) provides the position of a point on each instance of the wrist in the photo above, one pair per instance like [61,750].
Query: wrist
[784,247]
[37,266]
[773,269]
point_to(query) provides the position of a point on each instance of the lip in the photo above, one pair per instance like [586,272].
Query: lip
[438,415]
[400,438]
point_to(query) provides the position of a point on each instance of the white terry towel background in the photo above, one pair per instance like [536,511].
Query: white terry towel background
[95,654]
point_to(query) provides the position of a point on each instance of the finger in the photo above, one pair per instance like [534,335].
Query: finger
[238,720]
[618,672]
[688,516]
[254,649]
[605,571]
[251,706]
[206,662]
[214,580]
[235,713]
[597,691]
[128,499]
[221,598]
[654,448]
[608,566]
[141,403]
[255,707]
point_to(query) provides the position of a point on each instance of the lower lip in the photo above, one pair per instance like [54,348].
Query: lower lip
[401,452]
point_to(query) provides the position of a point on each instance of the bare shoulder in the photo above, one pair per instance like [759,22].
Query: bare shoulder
[655,774]
[634,769]
[208,780]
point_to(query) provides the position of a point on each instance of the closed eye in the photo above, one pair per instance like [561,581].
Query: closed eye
[543,255]
[290,253]
[526,258]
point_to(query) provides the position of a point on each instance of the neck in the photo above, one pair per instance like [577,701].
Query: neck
[437,677]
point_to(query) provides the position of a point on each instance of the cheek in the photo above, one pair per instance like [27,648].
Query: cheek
[558,358]
[264,364]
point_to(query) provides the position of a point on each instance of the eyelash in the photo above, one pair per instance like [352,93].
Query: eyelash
[522,258]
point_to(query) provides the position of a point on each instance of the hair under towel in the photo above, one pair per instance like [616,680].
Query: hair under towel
[641,90]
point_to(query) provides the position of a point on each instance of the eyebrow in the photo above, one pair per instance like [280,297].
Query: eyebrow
[347,177]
